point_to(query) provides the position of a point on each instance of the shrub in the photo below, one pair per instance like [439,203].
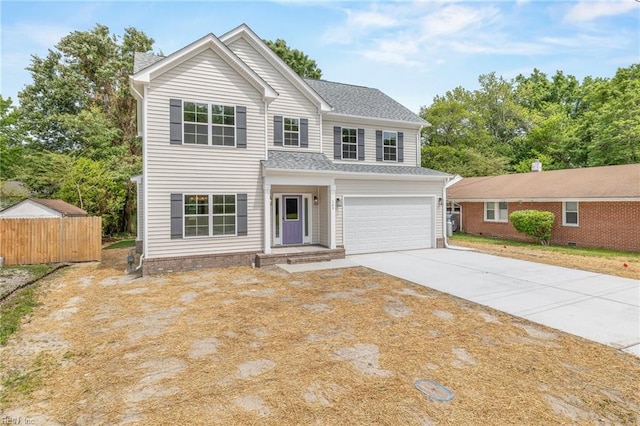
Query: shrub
[533,223]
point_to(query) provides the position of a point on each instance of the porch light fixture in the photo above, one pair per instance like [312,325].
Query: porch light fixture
[440,201]
[315,200]
[338,202]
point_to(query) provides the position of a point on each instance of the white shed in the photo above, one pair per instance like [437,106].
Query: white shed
[38,207]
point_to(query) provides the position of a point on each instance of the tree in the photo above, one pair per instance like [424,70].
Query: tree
[11,146]
[296,59]
[79,104]
[533,223]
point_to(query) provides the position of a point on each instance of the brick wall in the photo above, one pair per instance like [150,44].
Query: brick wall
[612,225]
[190,263]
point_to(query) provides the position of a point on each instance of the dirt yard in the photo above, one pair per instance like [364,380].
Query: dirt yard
[251,346]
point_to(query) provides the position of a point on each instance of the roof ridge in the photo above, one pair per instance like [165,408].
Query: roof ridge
[343,84]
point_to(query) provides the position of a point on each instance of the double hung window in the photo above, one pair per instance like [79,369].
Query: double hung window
[209,124]
[349,144]
[496,211]
[209,214]
[389,146]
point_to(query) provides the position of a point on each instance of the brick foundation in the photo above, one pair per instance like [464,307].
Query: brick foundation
[610,225]
[139,246]
[191,263]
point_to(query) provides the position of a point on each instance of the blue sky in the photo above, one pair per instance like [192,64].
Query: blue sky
[411,50]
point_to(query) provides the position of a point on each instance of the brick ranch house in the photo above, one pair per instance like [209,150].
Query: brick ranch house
[594,207]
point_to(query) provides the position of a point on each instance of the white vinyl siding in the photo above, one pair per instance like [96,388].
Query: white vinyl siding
[196,169]
[386,188]
[291,102]
[409,140]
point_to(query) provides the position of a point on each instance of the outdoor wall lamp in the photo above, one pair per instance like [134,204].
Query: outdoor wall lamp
[315,200]
[440,201]
[338,202]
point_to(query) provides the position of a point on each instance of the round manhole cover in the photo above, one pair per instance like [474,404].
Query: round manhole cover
[433,390]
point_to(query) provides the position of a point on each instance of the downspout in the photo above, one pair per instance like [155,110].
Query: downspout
[444,212]
[266,133]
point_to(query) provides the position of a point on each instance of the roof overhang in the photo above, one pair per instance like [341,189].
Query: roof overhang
[145,76]
[339,174]
[544,200]
[243,31]
[375,120]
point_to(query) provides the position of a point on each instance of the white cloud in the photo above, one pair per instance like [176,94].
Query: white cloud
[585,11]
[453,20]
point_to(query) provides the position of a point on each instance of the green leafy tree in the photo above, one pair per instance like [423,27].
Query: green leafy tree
[11,143]
[296,59]
[533,223]
[79,104]
[95,187]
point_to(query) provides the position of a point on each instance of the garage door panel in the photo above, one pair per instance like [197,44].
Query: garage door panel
[375,224]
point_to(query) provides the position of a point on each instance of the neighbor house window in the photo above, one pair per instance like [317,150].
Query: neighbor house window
[196,123]
[570,213]
[496,211]
[196,215]
[223,125]
[389,146]
[291,131]
[349,144]
[224,215]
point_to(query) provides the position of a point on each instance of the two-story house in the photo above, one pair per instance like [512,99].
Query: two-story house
[241,156]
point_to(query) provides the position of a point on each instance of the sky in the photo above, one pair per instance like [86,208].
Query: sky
[411,50]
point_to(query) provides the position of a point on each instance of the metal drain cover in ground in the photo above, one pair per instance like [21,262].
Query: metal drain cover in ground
[433,390]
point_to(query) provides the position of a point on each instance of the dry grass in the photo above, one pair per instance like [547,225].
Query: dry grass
[243,346]
[611,265]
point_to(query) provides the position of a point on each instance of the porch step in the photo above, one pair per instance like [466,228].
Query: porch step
[309,259]
[320,255]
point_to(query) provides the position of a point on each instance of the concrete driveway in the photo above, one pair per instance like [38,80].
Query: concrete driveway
[598,307]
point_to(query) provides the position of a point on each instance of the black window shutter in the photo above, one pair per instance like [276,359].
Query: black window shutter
[176,216]
[241,127]
[304,133]
[378,145]
[241,214]
[361,144]
[337,142]
[277,130]
[175,121]
[400,147]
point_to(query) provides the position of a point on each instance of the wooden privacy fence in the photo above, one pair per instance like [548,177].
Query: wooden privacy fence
[50,240]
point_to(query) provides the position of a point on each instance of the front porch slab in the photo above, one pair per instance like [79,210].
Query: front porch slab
[298,254]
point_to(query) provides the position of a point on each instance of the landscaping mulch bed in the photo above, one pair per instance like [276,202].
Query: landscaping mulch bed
[260,346]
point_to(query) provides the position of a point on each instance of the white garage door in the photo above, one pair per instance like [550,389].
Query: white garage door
[375,224]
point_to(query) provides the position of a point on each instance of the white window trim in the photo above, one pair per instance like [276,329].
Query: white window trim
[343,143]
[235,119]
[395,147]
[285,131]
[184,215]
[564,214]
[210,123]
[306,239]
[496,210]
[210,215]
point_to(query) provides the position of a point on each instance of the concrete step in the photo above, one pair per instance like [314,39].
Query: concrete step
[309,259]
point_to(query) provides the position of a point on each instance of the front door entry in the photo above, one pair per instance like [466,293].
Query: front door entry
[292,219]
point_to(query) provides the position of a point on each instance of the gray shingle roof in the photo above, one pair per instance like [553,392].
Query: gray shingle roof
[144,60]
[315,161]
[362,101]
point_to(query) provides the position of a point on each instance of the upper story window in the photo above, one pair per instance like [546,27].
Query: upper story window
[570,213]
[291,131]
[223,122]
[196,123]
[205,123]
[496,211]
[349,144]
[389,146]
